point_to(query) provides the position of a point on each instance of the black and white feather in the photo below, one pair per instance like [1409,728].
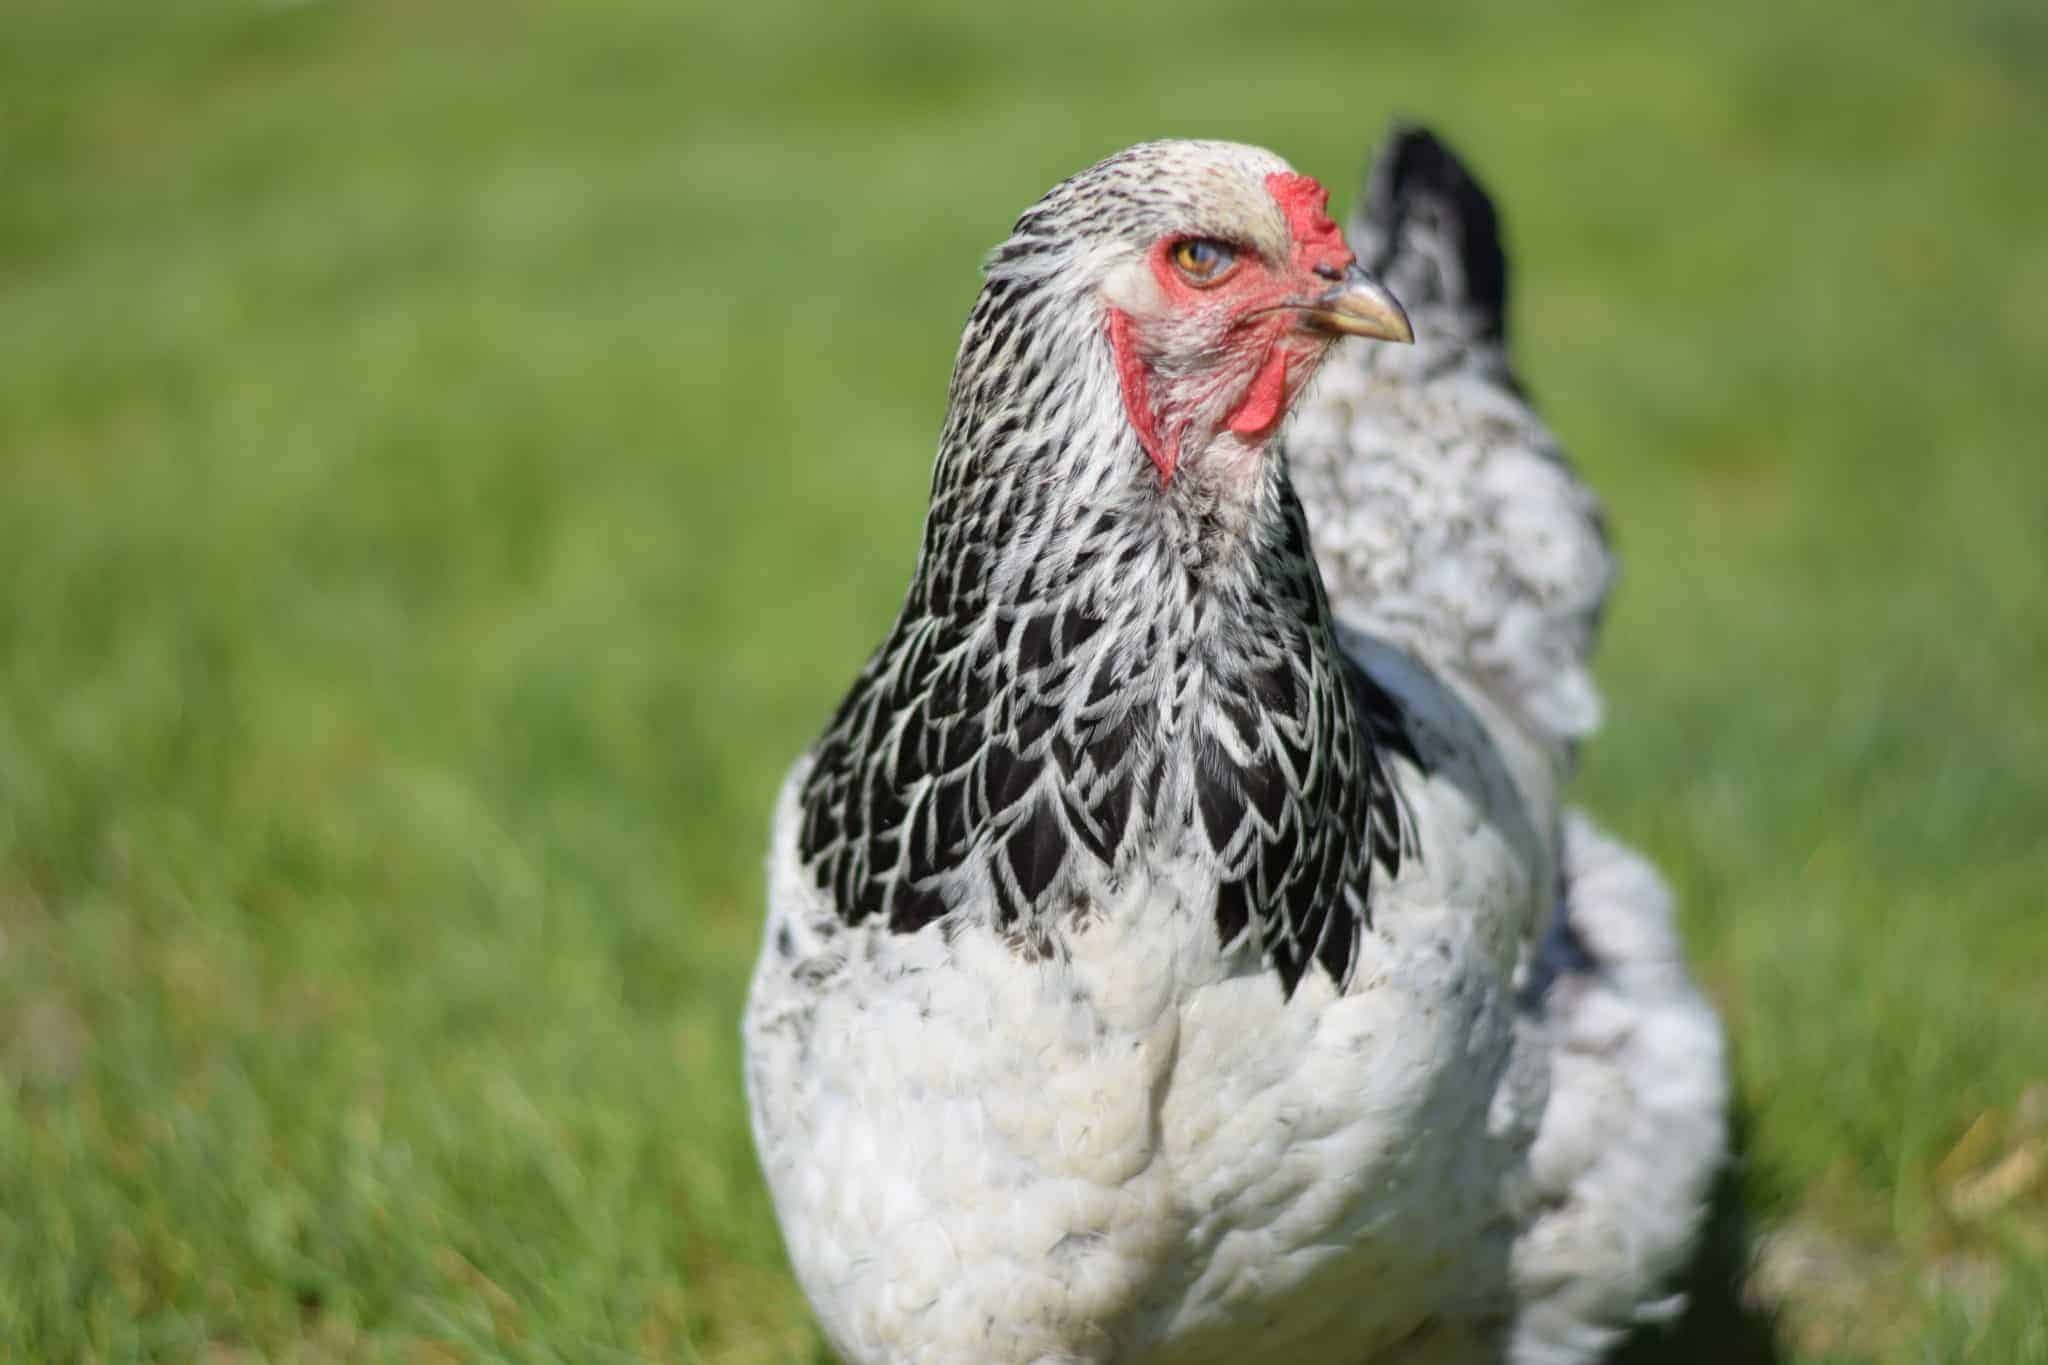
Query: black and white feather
[1153,965]
[1072,672]
[1444,512]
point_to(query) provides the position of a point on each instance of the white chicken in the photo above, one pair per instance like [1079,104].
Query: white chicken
[1177,947]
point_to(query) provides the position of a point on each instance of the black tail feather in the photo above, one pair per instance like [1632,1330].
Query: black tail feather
[1431,231]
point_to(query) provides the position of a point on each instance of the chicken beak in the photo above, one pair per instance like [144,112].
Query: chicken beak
[1359,307]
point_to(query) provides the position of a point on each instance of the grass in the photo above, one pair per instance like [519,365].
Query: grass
[453,455]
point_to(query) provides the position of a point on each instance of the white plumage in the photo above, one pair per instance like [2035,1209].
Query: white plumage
[1169,961]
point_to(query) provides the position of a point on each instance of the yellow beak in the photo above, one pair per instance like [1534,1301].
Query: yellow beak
[1359,307]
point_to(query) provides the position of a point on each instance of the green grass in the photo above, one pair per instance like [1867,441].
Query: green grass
[452,455]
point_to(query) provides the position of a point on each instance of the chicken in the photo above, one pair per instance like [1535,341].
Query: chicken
[1177,949]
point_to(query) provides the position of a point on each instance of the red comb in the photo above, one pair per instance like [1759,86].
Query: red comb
[1303,200]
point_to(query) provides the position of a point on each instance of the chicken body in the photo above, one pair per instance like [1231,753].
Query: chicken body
[1254,997]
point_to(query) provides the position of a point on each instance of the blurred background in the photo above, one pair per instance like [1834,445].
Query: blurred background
[453,455]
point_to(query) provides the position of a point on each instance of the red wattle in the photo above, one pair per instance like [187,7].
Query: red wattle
[1136,383]
[1265,401]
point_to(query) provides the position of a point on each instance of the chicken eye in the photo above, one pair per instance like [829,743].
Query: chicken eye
[1203,260]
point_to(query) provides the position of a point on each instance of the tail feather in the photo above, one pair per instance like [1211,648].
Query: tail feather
[1444,515]
[1426,227]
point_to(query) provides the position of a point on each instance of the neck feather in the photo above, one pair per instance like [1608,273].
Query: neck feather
[1090,667]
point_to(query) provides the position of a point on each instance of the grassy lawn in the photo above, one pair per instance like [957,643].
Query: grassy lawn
[453,454]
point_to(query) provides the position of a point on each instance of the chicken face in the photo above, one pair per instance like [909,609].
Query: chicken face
[1219,319]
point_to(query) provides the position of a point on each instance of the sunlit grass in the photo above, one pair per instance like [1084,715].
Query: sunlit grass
[451,457]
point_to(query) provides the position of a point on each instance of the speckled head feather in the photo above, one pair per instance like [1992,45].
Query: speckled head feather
[1116,646]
